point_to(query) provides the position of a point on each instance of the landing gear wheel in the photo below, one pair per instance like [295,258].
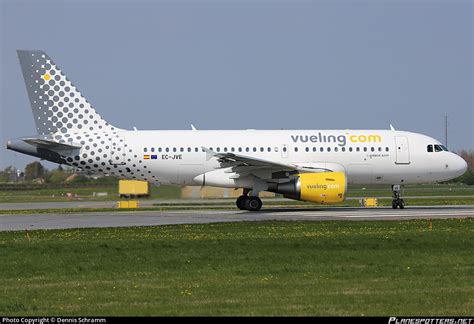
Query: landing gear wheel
[241,201]
[398,203]
[253,204]
[394,204]
[401,204]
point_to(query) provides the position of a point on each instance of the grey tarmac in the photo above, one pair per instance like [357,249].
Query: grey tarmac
[18,222]
[168,202]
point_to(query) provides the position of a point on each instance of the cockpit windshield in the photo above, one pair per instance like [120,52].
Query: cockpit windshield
[436,148]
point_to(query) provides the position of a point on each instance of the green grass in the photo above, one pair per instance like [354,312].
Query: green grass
[451,189]
[174,192]
[264,268]
[86,194]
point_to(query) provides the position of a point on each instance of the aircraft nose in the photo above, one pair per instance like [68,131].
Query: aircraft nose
[459,165]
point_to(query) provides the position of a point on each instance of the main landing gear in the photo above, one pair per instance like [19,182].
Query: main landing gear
[250,203]
[397,201]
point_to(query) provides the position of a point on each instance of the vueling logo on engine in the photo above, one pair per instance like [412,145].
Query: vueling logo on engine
[323,186]
[341,140]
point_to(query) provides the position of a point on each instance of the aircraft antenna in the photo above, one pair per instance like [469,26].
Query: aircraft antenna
[446,130]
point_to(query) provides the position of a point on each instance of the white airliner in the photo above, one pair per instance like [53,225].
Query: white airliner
[308,165]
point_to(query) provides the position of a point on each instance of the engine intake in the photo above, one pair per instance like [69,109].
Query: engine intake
[322,187]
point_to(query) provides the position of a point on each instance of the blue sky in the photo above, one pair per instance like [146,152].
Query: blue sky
[250,64]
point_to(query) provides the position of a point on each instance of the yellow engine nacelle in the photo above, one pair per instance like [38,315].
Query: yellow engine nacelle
[322,188]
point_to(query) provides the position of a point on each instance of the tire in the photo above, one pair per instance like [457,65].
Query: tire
[253,204]
[401,204]
[394,204]
[241,202]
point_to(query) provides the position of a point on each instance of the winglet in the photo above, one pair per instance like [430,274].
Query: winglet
[391,127]
[192,127]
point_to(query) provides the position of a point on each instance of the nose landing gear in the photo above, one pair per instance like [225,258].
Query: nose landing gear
[397,201]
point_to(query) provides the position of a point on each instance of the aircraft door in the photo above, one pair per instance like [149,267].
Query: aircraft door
[402,150]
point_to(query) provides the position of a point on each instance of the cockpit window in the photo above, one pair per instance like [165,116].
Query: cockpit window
[438,148]
[430,148]
[444,148]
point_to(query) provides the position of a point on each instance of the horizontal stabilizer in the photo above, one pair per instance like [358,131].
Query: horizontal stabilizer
[51,145]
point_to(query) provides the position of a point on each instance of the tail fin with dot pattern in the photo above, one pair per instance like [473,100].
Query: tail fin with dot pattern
[58,106]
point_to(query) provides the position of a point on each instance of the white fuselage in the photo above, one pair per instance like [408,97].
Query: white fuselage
[366,156]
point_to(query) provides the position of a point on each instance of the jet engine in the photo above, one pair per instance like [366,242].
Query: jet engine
[322,187]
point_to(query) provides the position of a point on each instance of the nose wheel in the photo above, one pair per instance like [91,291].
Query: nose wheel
[249,203]
[397,202]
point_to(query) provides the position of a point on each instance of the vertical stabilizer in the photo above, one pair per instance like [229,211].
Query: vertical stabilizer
[57,105]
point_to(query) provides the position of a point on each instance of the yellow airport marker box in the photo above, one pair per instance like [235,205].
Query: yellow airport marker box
[128,204]
[370,202]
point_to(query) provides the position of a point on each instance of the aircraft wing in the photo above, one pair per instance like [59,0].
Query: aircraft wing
[243,165]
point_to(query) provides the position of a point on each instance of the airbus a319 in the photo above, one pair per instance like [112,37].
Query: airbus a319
[309,165]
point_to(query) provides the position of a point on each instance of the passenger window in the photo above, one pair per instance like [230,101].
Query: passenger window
[145,150]
[232,149]
[159,149]
[307,149]
[372,149]
[314,149]
[225,149]
[380,149]
[255,149]
[321,149]
[261,149]
[284,148]
[167,149]
[174,149]
[153,149]
[365,149]
[181,149]
[240,149]
[386,149]
[218,149]
[437,148]
[343,149]
[430,148]
[189,149]
[350,149]
[358,149]
[335,149]
[296,149]
[196,149]
[329,149]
